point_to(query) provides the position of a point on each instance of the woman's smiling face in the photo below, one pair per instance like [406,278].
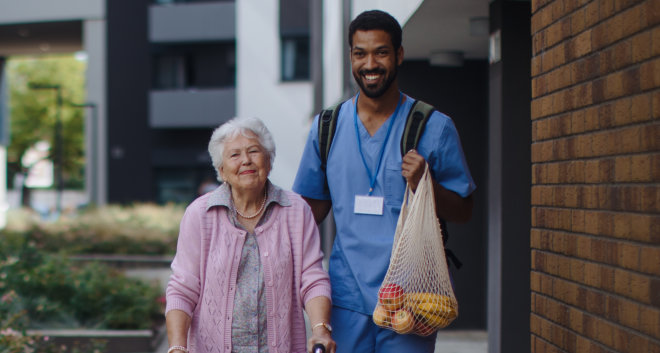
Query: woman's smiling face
[245,163]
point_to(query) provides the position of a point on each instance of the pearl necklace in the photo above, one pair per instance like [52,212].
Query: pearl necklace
[263,203]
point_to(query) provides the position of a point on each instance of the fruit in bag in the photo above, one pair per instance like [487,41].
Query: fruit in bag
[382,317]
[403,321]
[391,296]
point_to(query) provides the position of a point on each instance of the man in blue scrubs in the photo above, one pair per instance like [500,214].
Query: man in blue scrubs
[366,179]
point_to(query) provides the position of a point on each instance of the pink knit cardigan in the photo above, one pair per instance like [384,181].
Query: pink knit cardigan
[204,270]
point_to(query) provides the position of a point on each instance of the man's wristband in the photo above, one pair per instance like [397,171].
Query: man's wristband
[177,348]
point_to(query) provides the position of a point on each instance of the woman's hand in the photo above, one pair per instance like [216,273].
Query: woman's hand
[321,335]
[318,310]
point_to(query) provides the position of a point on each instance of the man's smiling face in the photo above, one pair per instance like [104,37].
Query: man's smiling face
[374,61]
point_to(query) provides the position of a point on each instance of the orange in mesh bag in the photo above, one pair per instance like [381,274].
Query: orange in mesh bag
[416,295]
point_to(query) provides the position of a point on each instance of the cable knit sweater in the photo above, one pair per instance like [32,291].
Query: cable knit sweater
[204,271]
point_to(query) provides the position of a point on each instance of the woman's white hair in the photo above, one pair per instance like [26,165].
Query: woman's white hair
[231,129]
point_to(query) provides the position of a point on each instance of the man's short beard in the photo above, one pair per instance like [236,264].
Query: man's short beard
[379,92]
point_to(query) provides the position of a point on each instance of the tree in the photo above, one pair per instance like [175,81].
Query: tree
[33,112]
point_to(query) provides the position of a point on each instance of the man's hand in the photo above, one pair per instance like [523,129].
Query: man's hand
[448,205]
[412,168]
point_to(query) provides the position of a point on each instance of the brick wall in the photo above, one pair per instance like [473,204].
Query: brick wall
[595,237]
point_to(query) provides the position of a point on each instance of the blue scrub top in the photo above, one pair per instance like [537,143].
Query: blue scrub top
[363,243]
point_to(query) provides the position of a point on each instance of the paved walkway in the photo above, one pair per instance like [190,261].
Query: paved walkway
[449,341]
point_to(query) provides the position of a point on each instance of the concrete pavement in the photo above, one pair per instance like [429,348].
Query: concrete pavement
[448,341]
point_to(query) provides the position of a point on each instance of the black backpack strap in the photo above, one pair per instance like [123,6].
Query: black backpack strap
[417,117]
[419,114]
[327,127]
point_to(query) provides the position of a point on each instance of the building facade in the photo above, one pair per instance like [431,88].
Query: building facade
[559,125]
[595,235]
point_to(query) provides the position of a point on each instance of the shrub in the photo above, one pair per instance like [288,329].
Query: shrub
[42,290]
[147,229]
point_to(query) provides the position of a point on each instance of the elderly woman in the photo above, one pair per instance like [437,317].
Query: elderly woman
[248,258]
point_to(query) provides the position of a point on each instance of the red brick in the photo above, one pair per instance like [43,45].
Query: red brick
[638,344]
[621,339]
[655,166]
[653,291]
[538,42]
[606,114]
[650,199]
[606,223]
[598,87]
[612,308]
[629,256]
[614,86]
[536,66]
[591,118]
[640,109]
[577,220]
[602,143]
[577,118]
[650,321]
[641,47]
[592,13]
[607,32]
[633,139]
[606,8]
[655,41]
[641,168]
[585,68]
[640,289]
[577,271]
[578,21]
[545,17]
[656,105]
[582,95]
[632,20]
[654,347]
[580,45]
[557,8]
[652,12]
[604,333]
[620,56]
[547,103]
[631,81]
[650,74]
[650,260]
[557,31]
[622,169]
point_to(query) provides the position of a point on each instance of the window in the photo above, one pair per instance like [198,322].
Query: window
[182,66]
[295,58]
[295,37]
[181,185]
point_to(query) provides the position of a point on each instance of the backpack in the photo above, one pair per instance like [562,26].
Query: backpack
[419,114]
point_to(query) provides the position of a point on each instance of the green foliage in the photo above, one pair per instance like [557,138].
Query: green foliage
[33,112]
[146,229]
[41,290]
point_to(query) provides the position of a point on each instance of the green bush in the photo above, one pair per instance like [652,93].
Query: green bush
[42,290]
[146,229]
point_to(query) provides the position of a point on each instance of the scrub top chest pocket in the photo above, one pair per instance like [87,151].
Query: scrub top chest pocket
[395,184]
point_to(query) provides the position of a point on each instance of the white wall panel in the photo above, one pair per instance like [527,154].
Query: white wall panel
[401,10]
[94,43]
[285,107]
[49,10]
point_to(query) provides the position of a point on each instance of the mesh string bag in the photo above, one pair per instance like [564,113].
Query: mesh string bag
[416,295]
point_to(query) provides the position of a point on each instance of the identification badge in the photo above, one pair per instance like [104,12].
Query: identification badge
[372,205]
